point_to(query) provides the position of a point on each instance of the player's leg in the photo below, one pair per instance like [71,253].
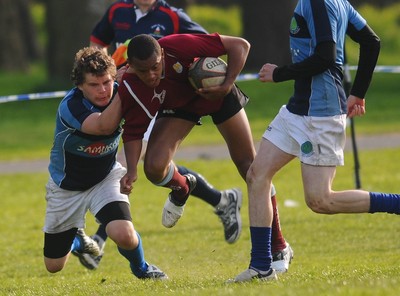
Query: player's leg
[268,161]
[89,260]
[57,248]
[282,252]
[321,155]
[235,128]
[118,222]
[220,201]
[165,138]
[321,199]
[65,212]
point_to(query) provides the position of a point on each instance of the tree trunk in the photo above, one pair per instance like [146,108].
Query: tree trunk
[18,36]
[266,27]
[69,25]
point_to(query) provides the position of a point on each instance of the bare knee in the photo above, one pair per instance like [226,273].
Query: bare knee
[153,170]
[123,234]
[54,265]
[250,176]
[319,203]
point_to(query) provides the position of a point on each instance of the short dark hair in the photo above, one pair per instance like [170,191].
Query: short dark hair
[92,60]
[142,47]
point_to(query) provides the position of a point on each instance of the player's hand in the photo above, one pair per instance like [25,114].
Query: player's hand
[266,71]
[120,73]
[214,93]
[126,183]
[355,106]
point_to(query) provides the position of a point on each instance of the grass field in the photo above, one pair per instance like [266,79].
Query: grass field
[334,255]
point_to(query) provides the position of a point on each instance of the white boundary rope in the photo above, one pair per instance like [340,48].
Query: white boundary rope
[241,77]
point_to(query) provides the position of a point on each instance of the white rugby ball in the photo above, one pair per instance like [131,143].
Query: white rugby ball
[207,72]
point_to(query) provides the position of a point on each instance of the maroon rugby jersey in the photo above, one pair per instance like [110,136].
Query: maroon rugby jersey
[140,103]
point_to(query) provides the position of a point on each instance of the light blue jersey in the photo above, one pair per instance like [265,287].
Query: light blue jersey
[317,21]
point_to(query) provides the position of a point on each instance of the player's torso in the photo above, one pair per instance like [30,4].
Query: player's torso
[157,23]
[79,160]
[313,23]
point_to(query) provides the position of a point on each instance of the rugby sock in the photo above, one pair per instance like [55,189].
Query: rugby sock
[136,258]
[101,232]
[178,184]
[384,202]
[261,256]
[203,189]
[278,242]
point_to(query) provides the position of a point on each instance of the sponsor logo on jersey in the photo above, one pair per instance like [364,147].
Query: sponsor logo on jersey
[99,148]
[122,26]
[168,111]
[160,97]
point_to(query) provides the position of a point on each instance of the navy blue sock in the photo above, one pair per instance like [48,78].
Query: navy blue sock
[101,232]
[261,256]
[136,258]
[384,203]
[203,189]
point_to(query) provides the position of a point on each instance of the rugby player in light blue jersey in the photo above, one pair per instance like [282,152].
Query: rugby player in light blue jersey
[312,125]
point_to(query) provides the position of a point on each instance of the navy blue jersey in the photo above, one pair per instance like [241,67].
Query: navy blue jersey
[119,23]
[314,22]
[78,161]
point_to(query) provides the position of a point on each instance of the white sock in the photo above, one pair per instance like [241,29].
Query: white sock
[223,202]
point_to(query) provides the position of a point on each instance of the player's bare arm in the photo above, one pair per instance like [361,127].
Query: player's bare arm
[132,151]
[106,122]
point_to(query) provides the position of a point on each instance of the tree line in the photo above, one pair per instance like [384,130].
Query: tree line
[68,25]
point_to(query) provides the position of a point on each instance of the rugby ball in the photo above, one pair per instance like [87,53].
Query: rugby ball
[207,72]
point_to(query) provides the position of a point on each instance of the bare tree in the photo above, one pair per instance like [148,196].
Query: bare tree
[266,27]
[18,36]
[69,24]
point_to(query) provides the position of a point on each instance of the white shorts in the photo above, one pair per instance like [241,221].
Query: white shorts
[314,140]
[67,209]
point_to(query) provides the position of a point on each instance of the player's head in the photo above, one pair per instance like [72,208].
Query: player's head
[91,60]
[145,57]
[94,73]
[144,4]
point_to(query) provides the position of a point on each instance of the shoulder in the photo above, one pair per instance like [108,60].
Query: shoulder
[172,11]
[73,97]
[119,5]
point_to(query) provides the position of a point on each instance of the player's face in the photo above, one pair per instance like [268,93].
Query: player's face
[150,71]
[144,3]
[97,89]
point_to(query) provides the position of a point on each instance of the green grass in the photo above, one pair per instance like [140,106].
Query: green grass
[334,255]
